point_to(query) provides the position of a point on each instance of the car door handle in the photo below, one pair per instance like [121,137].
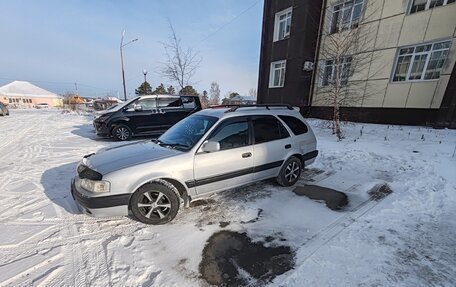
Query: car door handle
[247,154]
[288,146]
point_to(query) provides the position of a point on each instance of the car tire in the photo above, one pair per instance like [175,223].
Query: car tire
[290,172]
[122,133]
[154,203]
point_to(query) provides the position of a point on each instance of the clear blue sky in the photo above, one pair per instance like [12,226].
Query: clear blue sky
[53,43]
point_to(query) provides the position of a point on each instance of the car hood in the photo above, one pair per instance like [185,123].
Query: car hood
[111,159]
[102,113]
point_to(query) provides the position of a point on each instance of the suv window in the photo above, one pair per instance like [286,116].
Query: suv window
[268,128]
[169,102]
[295,124]
[188,102]
[232,135]
[147,104]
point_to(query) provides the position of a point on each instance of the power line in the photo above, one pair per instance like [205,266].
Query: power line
[227,23]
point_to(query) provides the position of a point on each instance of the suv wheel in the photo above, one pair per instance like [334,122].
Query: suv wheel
[122,133]
[290,172]
[154,203]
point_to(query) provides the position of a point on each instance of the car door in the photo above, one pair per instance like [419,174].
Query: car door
[143,116]
[272,145]
[171,111]
[232,165]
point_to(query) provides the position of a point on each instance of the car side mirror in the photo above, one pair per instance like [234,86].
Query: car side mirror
[210,146]
[138,108]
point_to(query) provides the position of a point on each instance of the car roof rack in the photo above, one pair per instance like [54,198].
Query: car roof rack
[233,108]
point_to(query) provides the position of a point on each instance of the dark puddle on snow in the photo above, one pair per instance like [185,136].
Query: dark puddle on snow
[334,199]
[232,259]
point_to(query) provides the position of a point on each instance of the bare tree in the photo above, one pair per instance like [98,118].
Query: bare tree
[253,93]
[214,93]
[204,100]
[181,63]
[345,57]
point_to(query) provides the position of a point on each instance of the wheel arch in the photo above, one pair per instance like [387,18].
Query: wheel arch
[183,193]
[299,156]
[118,122]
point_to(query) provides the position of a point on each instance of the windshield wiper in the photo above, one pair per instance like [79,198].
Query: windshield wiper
[172,145]
[157,141]
[178,145]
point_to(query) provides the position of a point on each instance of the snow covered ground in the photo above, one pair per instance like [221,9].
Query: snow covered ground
[406,239]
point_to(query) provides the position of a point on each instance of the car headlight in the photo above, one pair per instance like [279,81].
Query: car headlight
[102,118]
[96,186]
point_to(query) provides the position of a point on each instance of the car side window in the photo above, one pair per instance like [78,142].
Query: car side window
[188,102]
[232,135]
[295,124]
[169,103]
[268,128]
[147,104]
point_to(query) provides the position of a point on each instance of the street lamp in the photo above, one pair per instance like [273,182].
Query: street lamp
[145,74]
[121,61]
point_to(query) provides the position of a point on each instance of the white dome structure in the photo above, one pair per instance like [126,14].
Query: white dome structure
[25,94]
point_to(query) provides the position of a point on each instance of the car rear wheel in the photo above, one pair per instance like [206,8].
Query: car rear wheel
[154,203]
[122,133]
[290,172]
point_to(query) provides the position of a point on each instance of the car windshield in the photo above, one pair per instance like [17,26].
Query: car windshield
[119,106]
[186,133]
[112,107]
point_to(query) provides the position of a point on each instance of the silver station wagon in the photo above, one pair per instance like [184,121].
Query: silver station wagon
[212,150]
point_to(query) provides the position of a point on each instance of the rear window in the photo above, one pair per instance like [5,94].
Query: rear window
[188,102]
[267,128]
[295,124]
[169,102]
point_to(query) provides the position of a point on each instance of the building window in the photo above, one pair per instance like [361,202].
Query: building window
[329,71]
[277,75]
[346,15]
[423,62]
[421,5]
[282,25]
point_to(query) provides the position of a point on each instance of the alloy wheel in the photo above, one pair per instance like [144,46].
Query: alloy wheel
[292,171]
[154,204]
[122,133]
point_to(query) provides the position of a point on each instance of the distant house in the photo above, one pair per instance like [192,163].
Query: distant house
[26,95]
[242,100]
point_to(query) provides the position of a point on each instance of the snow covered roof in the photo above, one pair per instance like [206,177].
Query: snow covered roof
[25,89]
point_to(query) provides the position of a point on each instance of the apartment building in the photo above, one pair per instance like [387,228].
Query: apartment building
[409,49]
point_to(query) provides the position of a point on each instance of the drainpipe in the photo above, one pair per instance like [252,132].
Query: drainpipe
[317,54]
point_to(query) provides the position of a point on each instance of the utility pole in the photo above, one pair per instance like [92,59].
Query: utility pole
[121,61]
[76,86]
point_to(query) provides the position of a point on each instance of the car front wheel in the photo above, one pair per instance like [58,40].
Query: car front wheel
[290,172]
[122,133]
[154,203]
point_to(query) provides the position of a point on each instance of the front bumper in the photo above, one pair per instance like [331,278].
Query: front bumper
[101,129]
[100,206]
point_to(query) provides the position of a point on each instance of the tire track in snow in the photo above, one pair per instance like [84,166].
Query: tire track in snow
[35,141]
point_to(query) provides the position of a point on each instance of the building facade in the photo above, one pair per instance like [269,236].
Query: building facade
[289,41]
[409,53]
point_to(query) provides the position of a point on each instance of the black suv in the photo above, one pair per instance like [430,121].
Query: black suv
[145,115]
